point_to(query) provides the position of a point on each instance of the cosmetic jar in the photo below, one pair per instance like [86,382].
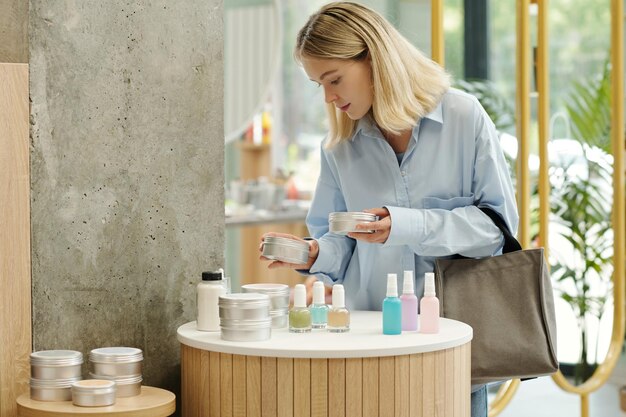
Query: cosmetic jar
[55,364]
[125,386]
[244,306]
[52,389]
[279,301]
[93,393]
[116,361]
[342,222]
[280,318]
[286,250]
[246,330]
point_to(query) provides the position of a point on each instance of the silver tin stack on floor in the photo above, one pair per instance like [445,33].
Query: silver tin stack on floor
[52,373]
[285,250]
[279,301]
[245,317]
[120,364]
[342,222]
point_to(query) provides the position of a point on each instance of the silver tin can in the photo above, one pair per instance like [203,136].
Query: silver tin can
[278,293]
[244,306]
[286,250]
[280,318]
[127,386]
[116,361]
[246,330]
[52,389]
[55,364]
[342,223]
[93,393]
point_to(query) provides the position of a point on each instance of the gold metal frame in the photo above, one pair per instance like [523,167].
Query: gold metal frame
[523,180]
[603,371]
[436,32]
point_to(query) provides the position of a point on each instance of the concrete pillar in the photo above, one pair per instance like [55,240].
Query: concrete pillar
[127,172]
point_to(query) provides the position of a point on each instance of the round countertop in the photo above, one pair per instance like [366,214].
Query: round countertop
[365,339]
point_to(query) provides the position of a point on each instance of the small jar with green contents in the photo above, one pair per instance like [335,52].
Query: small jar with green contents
[299,315]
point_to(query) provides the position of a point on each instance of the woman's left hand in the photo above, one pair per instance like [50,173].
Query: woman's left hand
[381,228]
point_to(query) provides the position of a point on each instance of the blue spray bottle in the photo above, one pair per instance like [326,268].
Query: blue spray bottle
[392,307]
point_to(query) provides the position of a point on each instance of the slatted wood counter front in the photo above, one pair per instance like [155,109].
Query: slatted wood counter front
[361,373]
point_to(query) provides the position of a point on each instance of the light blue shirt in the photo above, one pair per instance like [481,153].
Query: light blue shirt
[453,164]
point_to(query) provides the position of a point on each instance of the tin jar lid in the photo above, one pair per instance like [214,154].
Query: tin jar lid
[53,383]
[244,300]
[56,358]
[116,355]
[123,380]
[352,215]
[266,288]
[285,241]
[94,386]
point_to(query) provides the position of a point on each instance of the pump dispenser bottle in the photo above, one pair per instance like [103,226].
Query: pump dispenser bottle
[338,315]
[319,309]
[392,307]
[299,315]
[429,306]
[409,303]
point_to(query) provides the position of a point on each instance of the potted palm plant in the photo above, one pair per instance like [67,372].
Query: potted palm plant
[581,212]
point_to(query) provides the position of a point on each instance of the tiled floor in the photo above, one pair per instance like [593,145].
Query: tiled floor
[541,397]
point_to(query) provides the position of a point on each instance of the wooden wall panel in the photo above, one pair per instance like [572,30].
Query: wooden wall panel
[239,386]
[319,387]
[337,396]
[284,368]
[226,385]
[268,387]
[15,278]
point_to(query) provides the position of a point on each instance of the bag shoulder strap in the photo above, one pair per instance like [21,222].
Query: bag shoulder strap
[510,243]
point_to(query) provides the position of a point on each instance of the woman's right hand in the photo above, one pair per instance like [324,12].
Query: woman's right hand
[313,252]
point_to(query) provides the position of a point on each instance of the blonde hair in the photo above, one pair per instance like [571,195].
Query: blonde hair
[407,85]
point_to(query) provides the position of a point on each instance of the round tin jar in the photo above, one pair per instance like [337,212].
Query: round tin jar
[126,386]
[284,249]
[55,364]
[280,318]
[246,330]
[342,222]
[116,361]
[52,389]
[93,393]
[244,306]
[278,293]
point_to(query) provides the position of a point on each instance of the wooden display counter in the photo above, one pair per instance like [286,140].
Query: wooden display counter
[359,373]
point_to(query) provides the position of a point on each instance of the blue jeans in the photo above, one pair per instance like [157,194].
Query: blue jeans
[479,402]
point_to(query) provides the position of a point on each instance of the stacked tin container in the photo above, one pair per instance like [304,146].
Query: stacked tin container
[52,373]
[120,364]
[279,301]
[245,317]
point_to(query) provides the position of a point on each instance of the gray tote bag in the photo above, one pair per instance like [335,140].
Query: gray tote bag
[508,301]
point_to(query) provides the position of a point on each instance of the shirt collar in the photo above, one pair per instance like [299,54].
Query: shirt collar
[366,125]
[437,114]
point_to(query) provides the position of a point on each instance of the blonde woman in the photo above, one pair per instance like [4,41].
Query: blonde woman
[402,145]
